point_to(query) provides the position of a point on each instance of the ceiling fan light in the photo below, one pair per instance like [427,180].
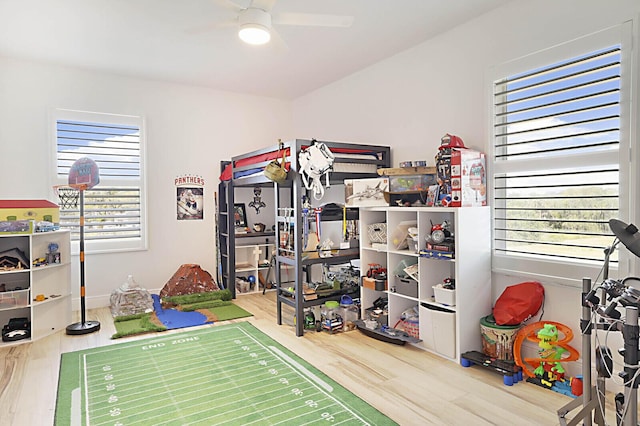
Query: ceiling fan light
[254,34]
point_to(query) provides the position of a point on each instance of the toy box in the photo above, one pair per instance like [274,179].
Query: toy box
[411,182]
[468,178]
[36,210]
[365,192]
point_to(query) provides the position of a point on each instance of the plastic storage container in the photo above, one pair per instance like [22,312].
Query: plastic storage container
[403,183]
[14,299]
[349,311]
[444,295]
[399,235]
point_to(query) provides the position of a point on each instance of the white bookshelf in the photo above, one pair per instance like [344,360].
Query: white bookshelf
[447,330]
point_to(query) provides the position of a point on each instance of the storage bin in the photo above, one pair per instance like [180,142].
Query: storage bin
[374,284]
[438,329]
[403,183]
[444,295]
[407,287]
[14,299]
[377,233]
[399,235]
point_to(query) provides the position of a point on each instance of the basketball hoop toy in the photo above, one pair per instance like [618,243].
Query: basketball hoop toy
[84,174]
[67,195]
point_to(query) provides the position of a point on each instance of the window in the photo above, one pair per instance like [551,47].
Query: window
[559,128]
[114,210]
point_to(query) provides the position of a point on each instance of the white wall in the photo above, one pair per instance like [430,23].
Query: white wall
[189,131]
[411,100]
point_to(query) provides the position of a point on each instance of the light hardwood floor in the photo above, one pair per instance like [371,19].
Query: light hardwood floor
[411,386]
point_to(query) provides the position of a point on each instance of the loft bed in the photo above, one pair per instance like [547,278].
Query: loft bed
[351,161]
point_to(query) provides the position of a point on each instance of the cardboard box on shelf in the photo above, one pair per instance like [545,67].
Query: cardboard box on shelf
[365,192]
[468,178]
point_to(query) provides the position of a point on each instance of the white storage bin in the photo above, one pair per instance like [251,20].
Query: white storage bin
[438,329]
[444,295]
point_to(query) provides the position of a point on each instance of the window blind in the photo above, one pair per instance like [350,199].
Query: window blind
[556,158]
[114,208]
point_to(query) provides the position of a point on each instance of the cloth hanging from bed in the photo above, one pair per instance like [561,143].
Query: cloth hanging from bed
[315,161]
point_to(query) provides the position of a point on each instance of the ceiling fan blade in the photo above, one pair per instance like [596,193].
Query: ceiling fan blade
[231,5]
[313,20]
[265,5]
[278,42]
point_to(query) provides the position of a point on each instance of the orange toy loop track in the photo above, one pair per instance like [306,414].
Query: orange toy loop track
[529,332]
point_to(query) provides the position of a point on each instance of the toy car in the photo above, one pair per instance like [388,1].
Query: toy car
[16,329]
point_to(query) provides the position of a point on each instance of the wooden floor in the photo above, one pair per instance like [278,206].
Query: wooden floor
[411,386]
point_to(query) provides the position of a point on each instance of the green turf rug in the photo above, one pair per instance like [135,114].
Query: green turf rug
[231,374]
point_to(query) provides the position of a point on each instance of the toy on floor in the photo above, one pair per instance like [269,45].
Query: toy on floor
[546,370]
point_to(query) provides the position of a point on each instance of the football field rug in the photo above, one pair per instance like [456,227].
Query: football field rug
[231,374]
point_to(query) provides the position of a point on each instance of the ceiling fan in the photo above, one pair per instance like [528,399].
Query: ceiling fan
[255,21]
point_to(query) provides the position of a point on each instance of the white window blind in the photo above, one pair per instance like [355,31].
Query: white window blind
[557,136]
[113,209]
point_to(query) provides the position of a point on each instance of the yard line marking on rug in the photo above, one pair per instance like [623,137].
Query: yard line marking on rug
[305,373]
[253,382]
[326,386]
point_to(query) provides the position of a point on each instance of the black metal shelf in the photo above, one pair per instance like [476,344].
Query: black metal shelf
[288,298]
[293,259]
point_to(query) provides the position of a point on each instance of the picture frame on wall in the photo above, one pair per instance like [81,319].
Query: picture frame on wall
[240,217]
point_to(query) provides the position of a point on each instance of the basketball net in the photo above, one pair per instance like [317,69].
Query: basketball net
[68,195]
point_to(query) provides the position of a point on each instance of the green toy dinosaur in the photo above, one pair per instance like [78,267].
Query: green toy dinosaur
[548,336]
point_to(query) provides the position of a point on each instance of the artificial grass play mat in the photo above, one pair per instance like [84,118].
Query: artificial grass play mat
[232,374]
[183,311]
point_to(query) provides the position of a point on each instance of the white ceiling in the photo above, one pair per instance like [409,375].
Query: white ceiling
[184,41]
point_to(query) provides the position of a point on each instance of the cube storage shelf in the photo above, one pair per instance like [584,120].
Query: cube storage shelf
[19,288]
[252,260]
[447,330]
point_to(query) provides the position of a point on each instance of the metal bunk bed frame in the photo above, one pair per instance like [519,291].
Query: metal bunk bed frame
[296,260]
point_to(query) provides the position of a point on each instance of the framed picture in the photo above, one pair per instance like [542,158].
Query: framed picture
[240,215]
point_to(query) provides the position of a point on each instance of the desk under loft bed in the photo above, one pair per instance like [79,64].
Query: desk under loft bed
[352,161]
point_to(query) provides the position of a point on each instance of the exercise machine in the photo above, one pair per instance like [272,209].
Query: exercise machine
[613,293]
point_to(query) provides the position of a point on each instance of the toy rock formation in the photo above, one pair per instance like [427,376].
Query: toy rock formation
[189,279]
[130,299]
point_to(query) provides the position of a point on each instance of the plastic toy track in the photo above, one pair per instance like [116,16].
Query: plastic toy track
[529,332]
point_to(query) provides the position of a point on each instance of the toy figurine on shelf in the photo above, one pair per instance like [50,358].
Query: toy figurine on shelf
[441,239]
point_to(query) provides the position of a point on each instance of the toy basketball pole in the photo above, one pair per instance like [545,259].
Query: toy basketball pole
[84,326]
[84,174]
